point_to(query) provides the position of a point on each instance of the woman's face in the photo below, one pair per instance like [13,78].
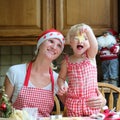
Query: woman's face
[51,48]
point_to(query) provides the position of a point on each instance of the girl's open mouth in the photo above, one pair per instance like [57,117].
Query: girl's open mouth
[79,47]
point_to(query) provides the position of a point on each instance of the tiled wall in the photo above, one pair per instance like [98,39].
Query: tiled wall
[11,55]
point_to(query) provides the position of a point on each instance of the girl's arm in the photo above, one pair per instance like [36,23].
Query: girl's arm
[92,51]
[62,73]
[62,78]
[9,88]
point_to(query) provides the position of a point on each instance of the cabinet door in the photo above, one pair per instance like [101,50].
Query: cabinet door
[22,20]
[99,14]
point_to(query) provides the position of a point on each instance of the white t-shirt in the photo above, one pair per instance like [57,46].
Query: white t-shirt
[16,75]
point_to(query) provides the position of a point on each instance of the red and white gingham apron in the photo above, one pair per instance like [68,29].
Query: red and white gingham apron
[35,97]
[82,81]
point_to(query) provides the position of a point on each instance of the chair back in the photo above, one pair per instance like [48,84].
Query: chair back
[112,93]
[57,106]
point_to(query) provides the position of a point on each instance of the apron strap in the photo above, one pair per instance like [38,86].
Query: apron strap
[52,79]
[28,76]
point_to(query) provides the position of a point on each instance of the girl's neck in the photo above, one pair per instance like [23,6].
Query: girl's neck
[77,56]
[76,59]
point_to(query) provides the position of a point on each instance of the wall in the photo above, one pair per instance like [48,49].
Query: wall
[11,55]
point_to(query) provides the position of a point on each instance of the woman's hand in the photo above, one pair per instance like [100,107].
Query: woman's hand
[9,88]
[96,102]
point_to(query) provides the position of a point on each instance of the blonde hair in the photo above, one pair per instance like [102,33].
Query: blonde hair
[73,31]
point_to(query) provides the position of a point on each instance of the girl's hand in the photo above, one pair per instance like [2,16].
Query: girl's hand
[62,90]
[85,28]
[96,102]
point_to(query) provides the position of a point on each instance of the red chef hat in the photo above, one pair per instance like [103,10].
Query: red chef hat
[48,34]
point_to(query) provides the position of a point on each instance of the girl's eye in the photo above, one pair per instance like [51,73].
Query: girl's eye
[86,38]
[75,38]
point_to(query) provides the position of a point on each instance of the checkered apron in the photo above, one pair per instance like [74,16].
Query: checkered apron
[82,81]
[35,97]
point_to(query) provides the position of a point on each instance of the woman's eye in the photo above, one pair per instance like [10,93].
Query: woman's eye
[59,45]
[51,41]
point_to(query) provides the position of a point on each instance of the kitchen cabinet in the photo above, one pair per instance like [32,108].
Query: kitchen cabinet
[21,21]
[99,14]
[119,16]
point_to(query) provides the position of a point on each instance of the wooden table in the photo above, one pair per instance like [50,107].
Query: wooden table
[69,118]
[64,118]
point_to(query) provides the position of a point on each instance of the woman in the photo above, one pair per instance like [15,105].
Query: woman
[33,84]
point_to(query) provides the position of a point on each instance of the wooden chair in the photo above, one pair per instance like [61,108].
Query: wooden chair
[57,106]
[109,89]
[113,93]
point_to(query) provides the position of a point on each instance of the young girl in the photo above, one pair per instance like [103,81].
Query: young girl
[81,70]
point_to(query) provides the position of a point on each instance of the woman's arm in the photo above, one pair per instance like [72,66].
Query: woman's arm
[9,88]
[94,102]
[97,102]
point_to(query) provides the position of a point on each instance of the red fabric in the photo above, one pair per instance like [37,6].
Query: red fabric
[106,54]
[35,97]
[113,32]
[82,81]
[28,74]
[114,49]
[47,31]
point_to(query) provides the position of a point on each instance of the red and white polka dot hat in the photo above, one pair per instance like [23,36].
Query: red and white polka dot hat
[48,34]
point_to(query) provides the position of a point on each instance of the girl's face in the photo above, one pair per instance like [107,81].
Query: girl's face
[79,44]
[51,48]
